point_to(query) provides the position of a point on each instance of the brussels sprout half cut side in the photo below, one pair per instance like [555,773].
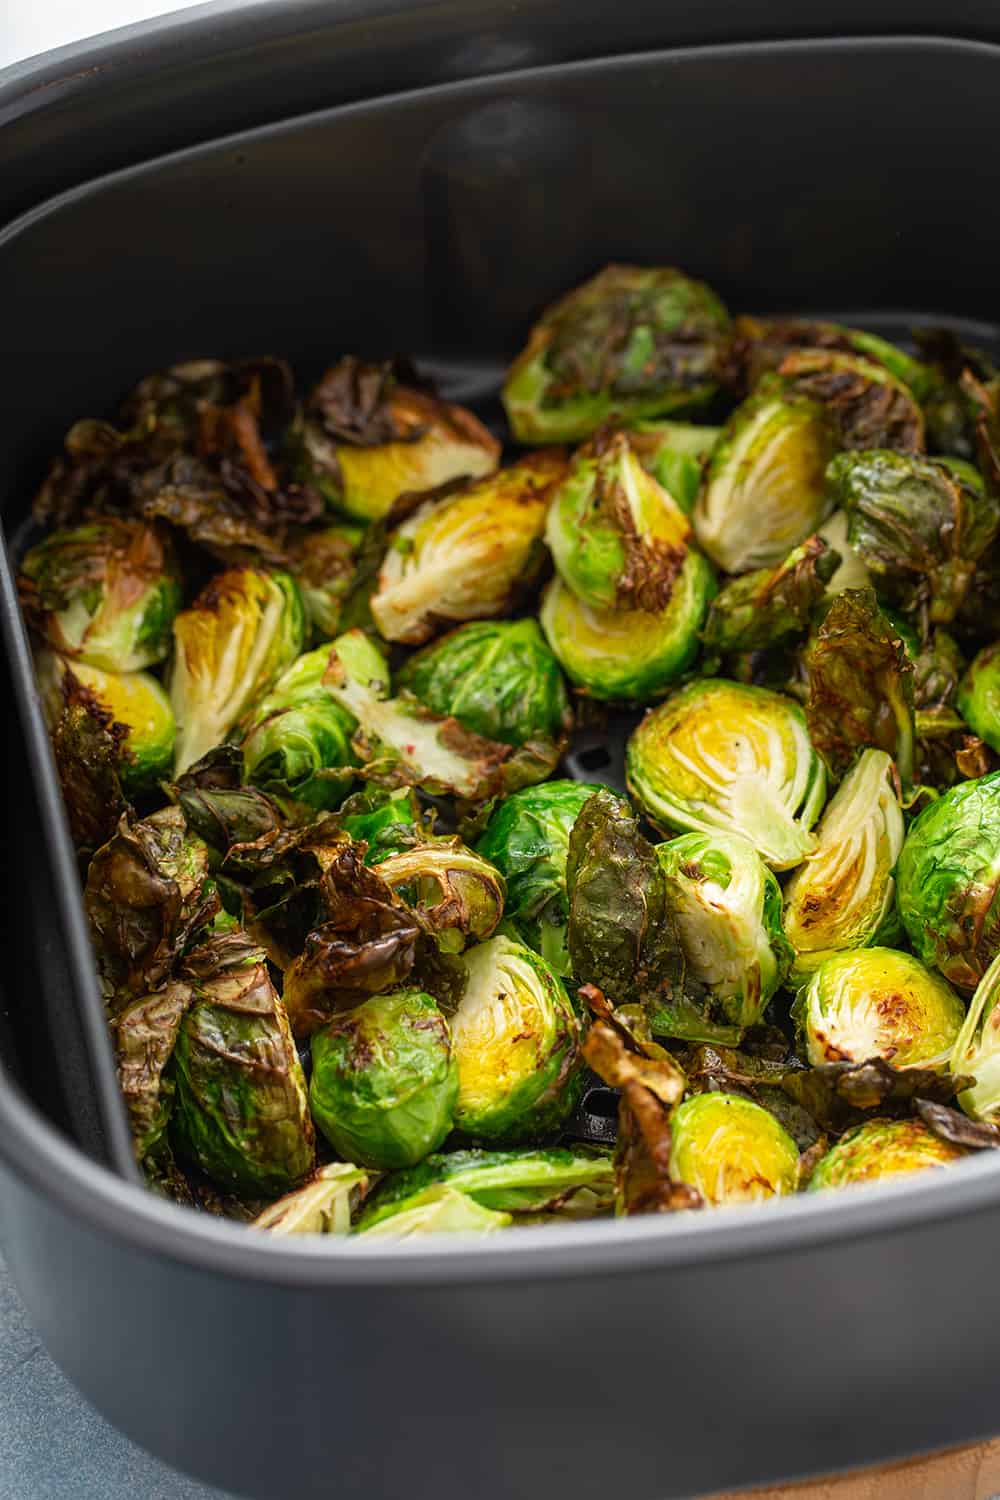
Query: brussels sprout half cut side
[135,699]
[517,1040]
[628,655]
[719,754]
[844,893]
[731,1150]
[878,1002]
[880,1150]
[977,1050]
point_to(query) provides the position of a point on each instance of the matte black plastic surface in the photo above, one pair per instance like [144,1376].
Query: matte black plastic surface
[658,1359]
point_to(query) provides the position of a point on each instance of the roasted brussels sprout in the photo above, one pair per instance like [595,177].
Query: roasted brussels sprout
[515,1182]
[979,695]
[297,734]
[628,654]
[878,1003]
[516,1037]
[675,453]
[241,1109]
[496,677]
[730,1150]
[948,881]
[465,553]
[323,565]
[727,906]
[865,404]
[760,345]
[977,1050]
[133,700]
[719,754]
[527,839]
[325,1205]
[105,593]
[844,894]
[366,438]
[918,525]
[879,1150]
[145,1036]
[860,678]
[439,1209]
[631,342]
[402,742]
[767,607]
[765,490]
[387,821]
[851,572]
[617,537]
[243,630]
[384,1081]
[458,894]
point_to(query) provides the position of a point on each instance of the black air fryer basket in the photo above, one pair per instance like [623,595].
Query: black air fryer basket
[425,177]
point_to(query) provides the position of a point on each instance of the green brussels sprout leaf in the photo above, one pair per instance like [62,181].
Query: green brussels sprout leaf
[459,894]
[770,606]
[323,1205]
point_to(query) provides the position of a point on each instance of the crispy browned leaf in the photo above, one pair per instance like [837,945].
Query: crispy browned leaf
[868,407]
[89,749]
[145,1035]
[957,1129]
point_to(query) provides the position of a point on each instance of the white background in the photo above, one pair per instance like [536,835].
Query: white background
[30,26]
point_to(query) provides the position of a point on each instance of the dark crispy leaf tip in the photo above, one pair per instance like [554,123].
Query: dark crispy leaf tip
[90,751]
[957,1129]
[353,403]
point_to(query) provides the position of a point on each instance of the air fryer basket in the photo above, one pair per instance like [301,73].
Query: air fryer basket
[666,1357]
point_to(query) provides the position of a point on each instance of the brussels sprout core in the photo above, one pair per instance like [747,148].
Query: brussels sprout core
[879,1150]
[721,755]
[843,894]
[878,1002]
[516,1038]
[731,1150]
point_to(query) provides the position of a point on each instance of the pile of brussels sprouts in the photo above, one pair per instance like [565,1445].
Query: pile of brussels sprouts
[373,963]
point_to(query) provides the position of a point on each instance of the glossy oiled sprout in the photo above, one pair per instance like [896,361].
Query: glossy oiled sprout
[240,633]
[880,1150]
[730,1150]
[722,755]
[632,342]
[948,881]
[516,1037]
[727,906]
[878,1002]
[977,1050]
[844,893]
[765,487]
[439,1209]
[628,654]
[979,695]
[384,1080]
[465,555]
[459,894]
[135,700]
[675,453]
[366,438]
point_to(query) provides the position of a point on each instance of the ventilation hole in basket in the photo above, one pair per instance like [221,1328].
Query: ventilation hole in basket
[601,1102]
[594,758]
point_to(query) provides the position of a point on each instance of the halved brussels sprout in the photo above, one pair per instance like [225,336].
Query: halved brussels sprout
[977,1050]
[401,742]
[497,677]
[323,564]
[437,1210]
[387,820]
[723,755]
[731,1150]
[459,894]
[979,695]
[241,1108]
[948,881]
[878,1002]
[880,1150]
[765,488]
[617,537]
[852,572]
[770,605]
[675,453]
[843,894]
[633,341]
[325,1205]
[527,1181]
[240,633]
[918,525]
[517,1040]
[760,345]
[527,839]
[628,654]
[104,593]
[365,439]
[465,554]
[865,404]
[133,699]
[297,732]
[727,906]
[145,1036]
[384,1080]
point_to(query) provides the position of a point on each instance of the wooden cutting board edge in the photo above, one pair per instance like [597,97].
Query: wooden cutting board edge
[958,1474]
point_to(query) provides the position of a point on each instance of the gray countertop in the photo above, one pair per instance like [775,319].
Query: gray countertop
[53,1445]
